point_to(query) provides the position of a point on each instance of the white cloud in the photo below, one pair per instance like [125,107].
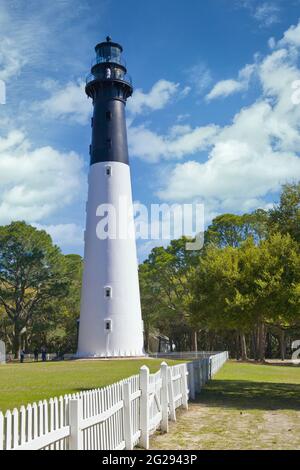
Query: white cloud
[11,59]
[258,151]
[233,175]
[64,235]
[160,94]
[34,34]
[67,102]
[267,14]
[182,117]
[35,182]
[180,141]
[200,77]
[224,88]
[228,87]
[291,36]
[272,43]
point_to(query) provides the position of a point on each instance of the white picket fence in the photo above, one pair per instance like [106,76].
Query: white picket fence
[203,370]
[120,416]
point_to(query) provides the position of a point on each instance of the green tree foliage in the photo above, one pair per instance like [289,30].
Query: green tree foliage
[65,337]
[285,217]
[248,288]
[244,284]
[164,282]
[232,230]
[32,275]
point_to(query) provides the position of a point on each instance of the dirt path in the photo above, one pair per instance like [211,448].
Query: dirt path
[208,427]
[246,406]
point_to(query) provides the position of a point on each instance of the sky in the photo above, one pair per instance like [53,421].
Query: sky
[214,118]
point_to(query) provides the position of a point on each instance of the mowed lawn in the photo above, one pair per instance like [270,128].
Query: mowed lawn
[21,384]
[246,406]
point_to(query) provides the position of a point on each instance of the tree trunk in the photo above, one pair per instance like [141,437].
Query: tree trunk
[243,347]
[282,340]
[261,342]
[237,342]
[194,341]
[269,349]
[16,342]
[254,344]
[146,340]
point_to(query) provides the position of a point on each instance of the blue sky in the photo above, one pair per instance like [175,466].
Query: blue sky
[212,119]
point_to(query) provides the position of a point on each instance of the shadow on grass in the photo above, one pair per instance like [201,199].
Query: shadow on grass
[251,395]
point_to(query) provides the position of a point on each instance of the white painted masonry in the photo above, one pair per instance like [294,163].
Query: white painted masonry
[110,325]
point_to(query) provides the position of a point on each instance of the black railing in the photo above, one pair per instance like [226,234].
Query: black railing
[108,60]
[114,75]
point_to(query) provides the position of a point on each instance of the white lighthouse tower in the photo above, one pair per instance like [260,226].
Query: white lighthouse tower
[110,317]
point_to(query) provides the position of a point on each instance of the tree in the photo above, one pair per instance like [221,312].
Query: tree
[232,230]
[32,274]
[216,302]
[271,279]
[69,306]
[164,281]
[285,217]
[150,301]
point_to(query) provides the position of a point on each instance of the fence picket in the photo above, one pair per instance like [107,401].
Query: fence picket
[22,425]
[191,370]
[184,387]
[41,418]
[164,397]
[127,416]
[144,407]
[171,396]
[15,423]
[35,421]
[8,434]
[75,418]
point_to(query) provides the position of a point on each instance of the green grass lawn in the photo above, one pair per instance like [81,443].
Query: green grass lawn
[246,406]
[21,384]
[255,386]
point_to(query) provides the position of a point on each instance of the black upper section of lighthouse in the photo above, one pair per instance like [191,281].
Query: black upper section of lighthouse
[109,86]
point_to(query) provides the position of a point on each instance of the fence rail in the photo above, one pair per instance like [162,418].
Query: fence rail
[116,417]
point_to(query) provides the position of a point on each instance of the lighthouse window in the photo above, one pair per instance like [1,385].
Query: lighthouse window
[92,122]
[108,170]
[108,141]
[107,325]
[108,115]
[107,291]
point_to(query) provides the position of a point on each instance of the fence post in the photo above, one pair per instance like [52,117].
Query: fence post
[127,417]
[200,374]
[144,407]
[190,367]
[206,370]
[184,387]
[171,396]
[75,418]
[164,397]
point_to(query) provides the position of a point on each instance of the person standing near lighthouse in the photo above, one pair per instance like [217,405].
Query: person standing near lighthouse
[110,316]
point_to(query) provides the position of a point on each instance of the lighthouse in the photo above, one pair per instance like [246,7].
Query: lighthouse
[110,315]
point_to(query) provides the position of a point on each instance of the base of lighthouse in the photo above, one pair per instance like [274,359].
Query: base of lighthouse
[110,318]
